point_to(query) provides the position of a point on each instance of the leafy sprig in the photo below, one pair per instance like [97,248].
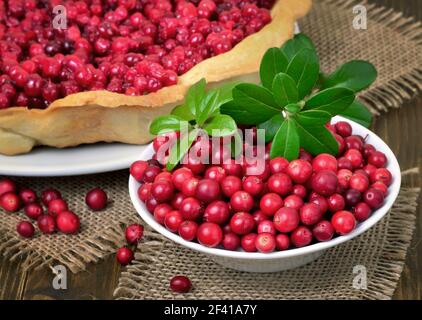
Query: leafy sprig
[295,100]
[199,112]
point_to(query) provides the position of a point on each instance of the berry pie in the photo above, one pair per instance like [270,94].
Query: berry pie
[115,65]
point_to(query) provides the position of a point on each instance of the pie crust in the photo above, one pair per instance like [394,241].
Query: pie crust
[94,116]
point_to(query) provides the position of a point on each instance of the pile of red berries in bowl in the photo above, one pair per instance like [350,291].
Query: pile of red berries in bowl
[282,218]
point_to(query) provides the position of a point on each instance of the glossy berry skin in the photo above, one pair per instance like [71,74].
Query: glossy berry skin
[310,214]
[324,161]
[352,197]
[96,199]
[299,171]
[299,190]
[286,220]
[210,234]
[336,203]
[180,176]
[343,222]
[231,241]
[134,233]
[280,183]
[232,168]
[359,182]
[278,165]
[50,194]
[253,185]
[189,188]
[207,190]
[46,224]
[247,242]
[215,173]
[188,229]
[177,200]
[25,229]
[10,202]
[374,198]
[378,159]
[321,202]
[242,223]
[383,175]
[265,242]
[144,191]
[173,220]
[137,169]
[230,185]
[241,201]
[355,157]
[217,212]
[160,212]
[162,190]
[301,237]
[27,196]
[56,206]
[68,222]
[191,209]
[282,242]
[381,187]
[266,226]
[7,185]
[150,173]
[293,201]
[343,128]
[354,142]
[124,256]
[323,231]
[33,210]
[362,211]
[270,203]
[180,284]
[324,183]
[259,216]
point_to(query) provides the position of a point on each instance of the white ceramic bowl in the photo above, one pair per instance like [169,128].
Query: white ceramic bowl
[280,260]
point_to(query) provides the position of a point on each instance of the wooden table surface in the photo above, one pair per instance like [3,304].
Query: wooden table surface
[400,128]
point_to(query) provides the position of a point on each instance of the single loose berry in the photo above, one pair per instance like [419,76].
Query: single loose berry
[177,200]
[28,196]
[150,173]
[68,222]
[46,224]
[382,175]
[25,229]
[10,202]
[124,256]
[215,173]
[180,284]
[210,234]
[7,185]
[134,233]
[96,199]
[56,206]
[33,210]
[299,190]
[50,194]
[352,197]
[343,222]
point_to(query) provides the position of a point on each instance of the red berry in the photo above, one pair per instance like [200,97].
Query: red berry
[270,203]
[28,196]
[10,202]
[207,190]
[96,199]
[248,242]
[6,186]
[299,170]
[230,185]
[323,231]
[301,237]
[215,173]
[162,190]
[48,195]
[286,219]
[321,202]
[299,190]
[381,187]
[259,216]
[68,222]
[378,159]
[160,212]
[344,163]
[278,165]
[232,168]
[231,241]
[191,209]
[210,234]
[362,211]
[217,212]
[324,161]
[343,222]
[189,188]
[173,220]
[370,169]
[253,185]
[382,175]
[46,224]
[352,197]
[56,206]
[195,164]
[134,233]
[310,214]
[124,256]
[242,223]
[282,242]
[359,182]
[180,176]
[354,142]
[150,173]
[25,229]
[177,200]
[336,203]
[374,198]
[241,201]
[343,128]
[163,175]
[266,226]
[188,229]
[355,157]
[144,191]
[280,183]
[293,201]
[265,242]
[343,176]
[180,284]
[137,169]
[324,182]
[33,210]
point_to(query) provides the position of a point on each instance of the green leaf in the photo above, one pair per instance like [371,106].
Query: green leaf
[273,62]
[355,75]
[313,118]
[271,126]
[292,108]
[255,95]
[317,139]
[304,69]
[358,113]
[183,112]
[299,42]
[332,100]
[220,126]
[194,96]
[180,149]
[165,124]
[225,92]
[284,90]
[236,145]
[286,141]
[207,107]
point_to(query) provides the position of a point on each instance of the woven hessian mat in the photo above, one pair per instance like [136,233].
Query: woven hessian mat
[392,43]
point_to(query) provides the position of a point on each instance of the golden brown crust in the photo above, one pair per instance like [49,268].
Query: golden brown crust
[89,117]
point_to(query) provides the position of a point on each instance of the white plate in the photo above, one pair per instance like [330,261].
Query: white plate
[86,159]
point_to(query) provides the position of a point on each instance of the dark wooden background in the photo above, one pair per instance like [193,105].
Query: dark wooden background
[400,128]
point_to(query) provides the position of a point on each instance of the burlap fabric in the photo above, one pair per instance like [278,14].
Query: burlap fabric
[392,43]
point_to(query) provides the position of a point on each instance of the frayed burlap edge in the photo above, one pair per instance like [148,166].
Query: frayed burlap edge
[403,88]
